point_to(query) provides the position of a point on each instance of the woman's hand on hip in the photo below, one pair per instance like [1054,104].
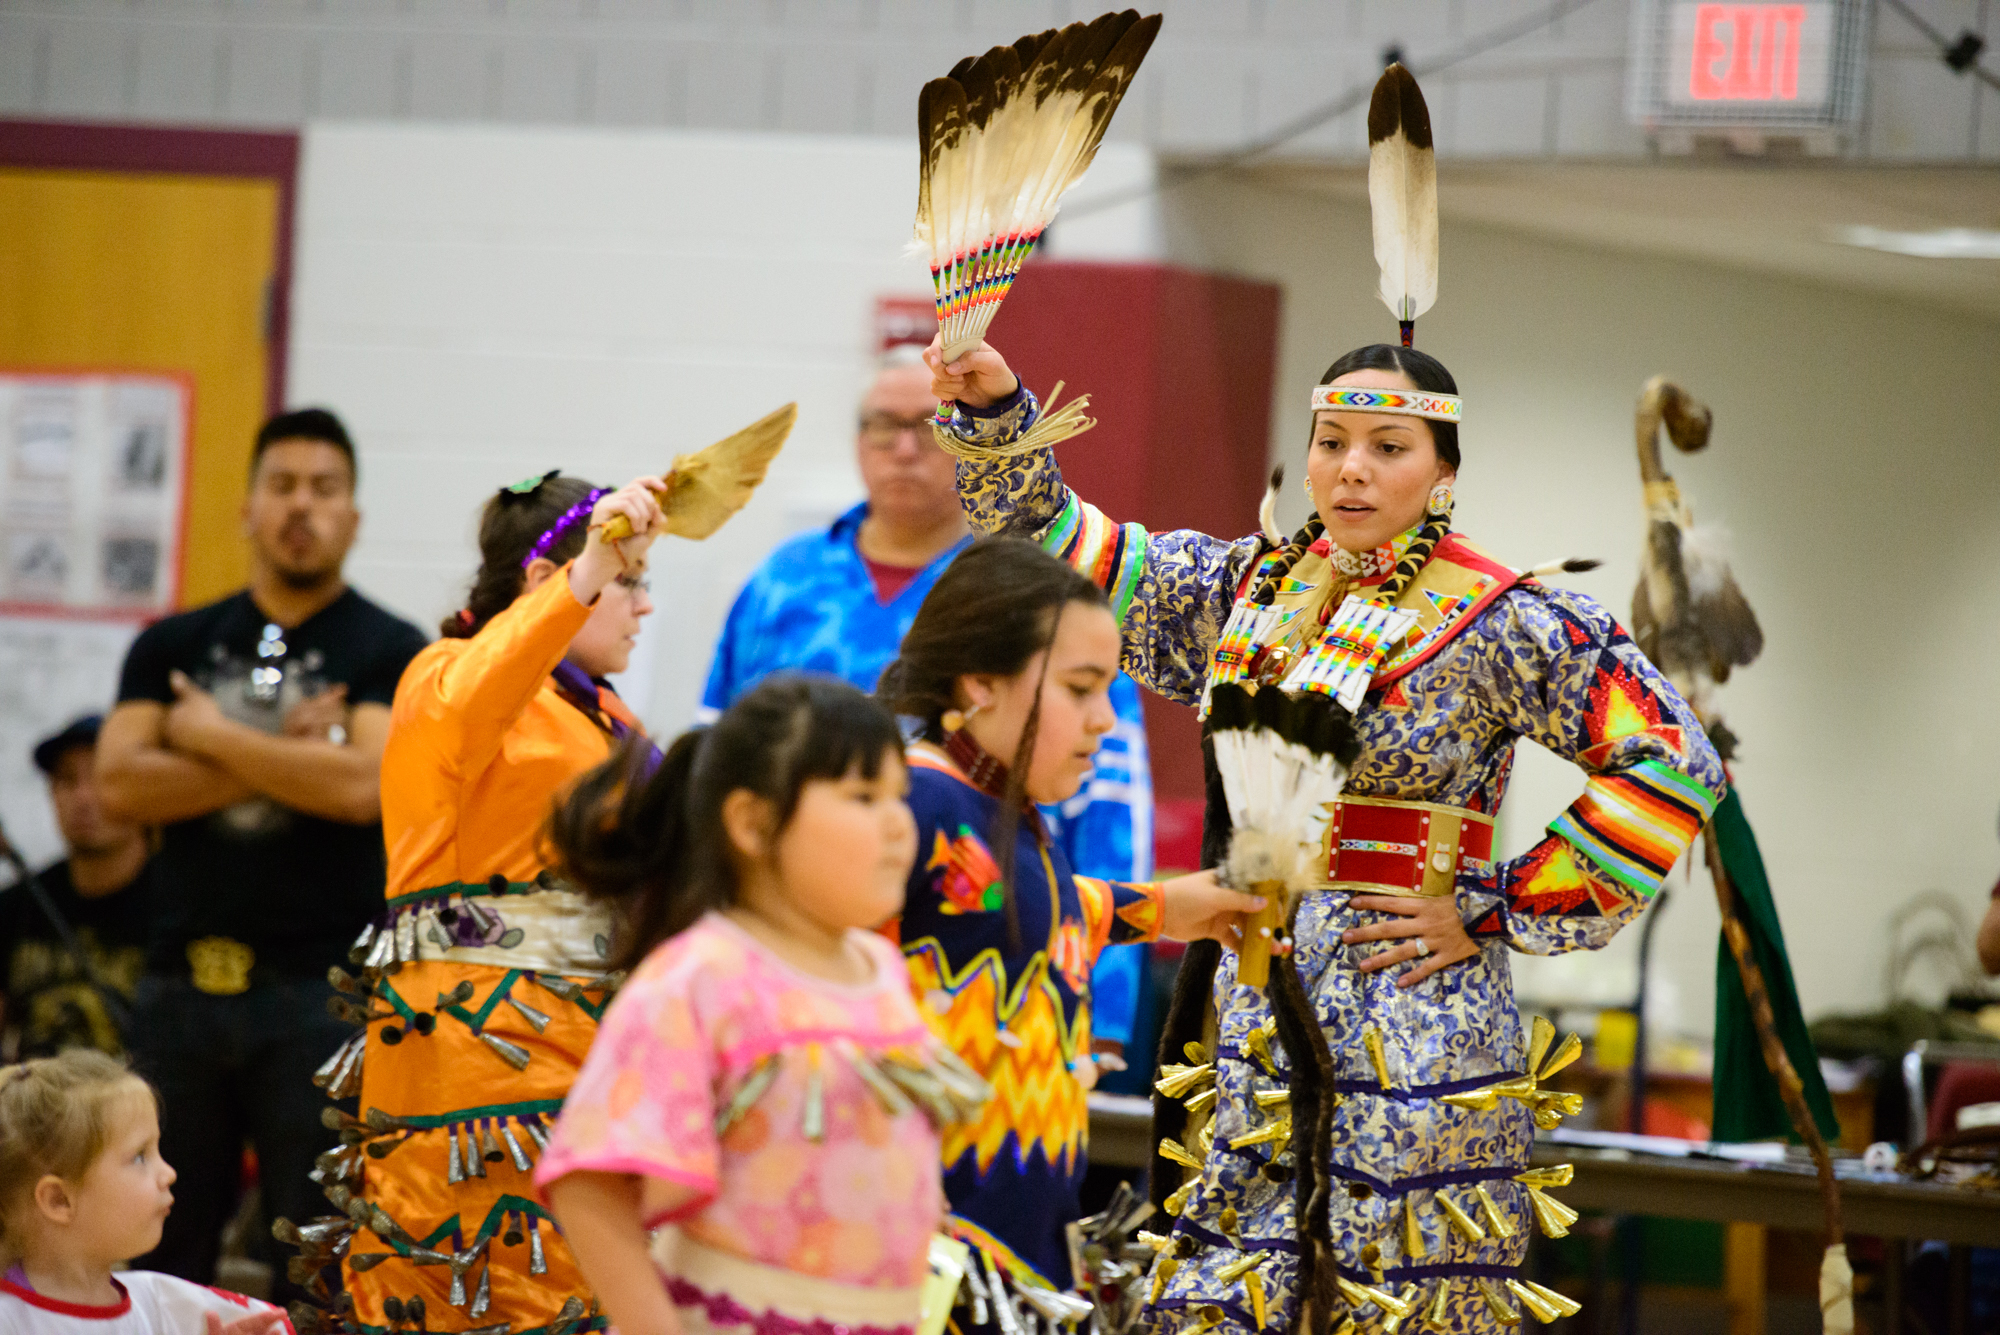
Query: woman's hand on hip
[978,379]
[1428,930]
[1201,908]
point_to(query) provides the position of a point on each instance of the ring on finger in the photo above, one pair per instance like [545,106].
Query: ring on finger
[1423,947]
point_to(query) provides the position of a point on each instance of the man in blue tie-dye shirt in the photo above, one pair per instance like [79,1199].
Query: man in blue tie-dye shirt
[838,600]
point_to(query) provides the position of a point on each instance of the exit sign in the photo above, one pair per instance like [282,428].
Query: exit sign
[1768,67]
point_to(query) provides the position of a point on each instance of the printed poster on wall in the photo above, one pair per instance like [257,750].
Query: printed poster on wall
[93,491]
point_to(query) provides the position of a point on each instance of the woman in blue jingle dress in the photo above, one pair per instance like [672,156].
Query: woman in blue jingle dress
[1400,1134]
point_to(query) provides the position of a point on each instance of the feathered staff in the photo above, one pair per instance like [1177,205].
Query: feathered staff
[1688,616]
[708,486]
[1004,136]
[1692,621]
[1403,197]
[1282,758]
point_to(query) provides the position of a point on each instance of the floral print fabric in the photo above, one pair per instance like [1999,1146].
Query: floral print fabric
[691,1026]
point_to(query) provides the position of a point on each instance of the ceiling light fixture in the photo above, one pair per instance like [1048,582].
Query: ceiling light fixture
[1943,243]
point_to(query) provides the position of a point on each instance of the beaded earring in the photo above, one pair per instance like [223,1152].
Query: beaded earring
[1440,503]
[954,719]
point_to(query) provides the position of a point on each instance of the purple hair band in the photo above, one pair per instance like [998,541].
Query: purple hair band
[557,529]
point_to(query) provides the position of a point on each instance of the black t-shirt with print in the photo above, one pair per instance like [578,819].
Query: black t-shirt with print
[294,888]
[51,1003]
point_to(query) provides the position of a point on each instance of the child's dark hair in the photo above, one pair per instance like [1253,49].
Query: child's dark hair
[994,608]
[55,1115]
[1425,372]
[508,528]
[652,845]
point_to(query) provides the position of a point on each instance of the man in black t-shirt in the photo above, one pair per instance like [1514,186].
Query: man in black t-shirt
[251,731]
[102,892]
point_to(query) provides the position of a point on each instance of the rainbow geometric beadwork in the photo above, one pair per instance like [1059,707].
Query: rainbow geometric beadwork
[971,287]
[1403,403]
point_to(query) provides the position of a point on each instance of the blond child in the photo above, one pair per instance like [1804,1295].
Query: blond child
[83,1189]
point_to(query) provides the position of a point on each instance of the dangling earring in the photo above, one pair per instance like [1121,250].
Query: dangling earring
[1309,494]
[1440,504]
[954,719]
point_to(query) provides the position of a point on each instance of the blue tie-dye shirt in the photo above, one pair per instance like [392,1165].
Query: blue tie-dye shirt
[812,607]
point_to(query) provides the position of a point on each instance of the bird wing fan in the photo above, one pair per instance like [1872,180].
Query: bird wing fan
[1004,136]
[705,488]
[1402,195]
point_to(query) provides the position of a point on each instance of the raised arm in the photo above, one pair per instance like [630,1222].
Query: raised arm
[484,688]
[1562,671]
[1171,592]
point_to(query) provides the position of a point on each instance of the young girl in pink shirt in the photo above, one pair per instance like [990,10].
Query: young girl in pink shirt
[763,1081]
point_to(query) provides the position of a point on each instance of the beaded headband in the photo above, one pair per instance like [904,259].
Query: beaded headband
[563,521]
[1437,407]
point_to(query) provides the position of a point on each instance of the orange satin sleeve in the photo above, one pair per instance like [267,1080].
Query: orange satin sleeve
[481,744]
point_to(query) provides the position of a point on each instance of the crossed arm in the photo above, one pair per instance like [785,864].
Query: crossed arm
[158,764]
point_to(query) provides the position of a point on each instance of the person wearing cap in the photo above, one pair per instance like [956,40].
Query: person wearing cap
[250,731]
[101,890]
[839,600]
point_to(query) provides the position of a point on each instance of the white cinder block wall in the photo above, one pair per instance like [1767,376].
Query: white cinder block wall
[482,304]
[1224,73]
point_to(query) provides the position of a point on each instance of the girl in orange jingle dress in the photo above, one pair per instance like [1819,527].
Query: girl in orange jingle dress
[482,983]
[1348,1149]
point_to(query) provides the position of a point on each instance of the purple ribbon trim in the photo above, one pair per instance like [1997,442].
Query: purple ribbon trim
[723,1310]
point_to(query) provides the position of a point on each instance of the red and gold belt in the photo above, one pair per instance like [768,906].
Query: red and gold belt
[1375,845]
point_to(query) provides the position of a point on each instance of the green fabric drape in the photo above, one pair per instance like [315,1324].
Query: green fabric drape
[1747,1103]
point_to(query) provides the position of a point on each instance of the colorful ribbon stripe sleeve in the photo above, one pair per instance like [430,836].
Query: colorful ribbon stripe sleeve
[1583,689]
[1170,591]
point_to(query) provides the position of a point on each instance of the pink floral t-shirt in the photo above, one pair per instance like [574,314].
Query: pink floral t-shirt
[691,1026]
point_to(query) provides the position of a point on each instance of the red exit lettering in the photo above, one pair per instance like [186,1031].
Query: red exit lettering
[1746,53]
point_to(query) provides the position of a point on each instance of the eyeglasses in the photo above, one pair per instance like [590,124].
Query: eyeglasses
[885,430]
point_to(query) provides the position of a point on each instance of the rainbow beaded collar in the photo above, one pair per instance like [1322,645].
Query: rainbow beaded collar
[1404,403]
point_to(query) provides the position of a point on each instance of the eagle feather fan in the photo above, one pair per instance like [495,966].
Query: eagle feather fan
[1004,137]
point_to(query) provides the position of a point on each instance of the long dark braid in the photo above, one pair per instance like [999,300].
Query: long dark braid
[1286,557]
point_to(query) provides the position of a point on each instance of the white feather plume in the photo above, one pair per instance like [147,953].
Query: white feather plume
[1402,194]
[1267,509]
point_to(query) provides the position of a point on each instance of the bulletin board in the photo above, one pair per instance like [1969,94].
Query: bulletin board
[145,278]
[93,492]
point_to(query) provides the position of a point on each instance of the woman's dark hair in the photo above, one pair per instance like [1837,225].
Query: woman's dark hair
[652,844]
[1425,372]
[994,608]
[508,528]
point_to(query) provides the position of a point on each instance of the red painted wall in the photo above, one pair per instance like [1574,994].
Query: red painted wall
[1178,366]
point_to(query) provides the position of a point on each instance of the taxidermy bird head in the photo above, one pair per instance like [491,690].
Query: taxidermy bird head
[1688,616]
